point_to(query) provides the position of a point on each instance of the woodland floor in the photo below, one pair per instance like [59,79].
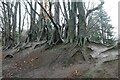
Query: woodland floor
[0,62]
[61,61]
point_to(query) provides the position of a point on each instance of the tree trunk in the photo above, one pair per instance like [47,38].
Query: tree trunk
[82,24]
[14,23]
[72,22]
[56,35]
[19,24]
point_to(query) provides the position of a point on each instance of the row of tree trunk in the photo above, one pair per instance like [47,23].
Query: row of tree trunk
[55,22]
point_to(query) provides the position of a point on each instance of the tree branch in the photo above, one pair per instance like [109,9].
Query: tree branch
[96,8]
[49,16]
[32,8]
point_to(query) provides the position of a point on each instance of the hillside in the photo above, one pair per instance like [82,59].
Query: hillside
[61,61]
[57,39]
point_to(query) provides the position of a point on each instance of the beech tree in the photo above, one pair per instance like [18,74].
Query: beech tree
[55,22]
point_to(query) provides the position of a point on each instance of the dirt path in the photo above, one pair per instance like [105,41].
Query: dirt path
[109,55]
[97,49]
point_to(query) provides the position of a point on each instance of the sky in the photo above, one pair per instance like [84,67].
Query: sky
[111,7]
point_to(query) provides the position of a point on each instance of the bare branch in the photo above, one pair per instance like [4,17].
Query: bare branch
[32,8]
[49,16]
[96,8]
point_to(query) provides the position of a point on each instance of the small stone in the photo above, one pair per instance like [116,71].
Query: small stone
[24,61]
[71,64]
[15,64]
[32,60]
[63,68]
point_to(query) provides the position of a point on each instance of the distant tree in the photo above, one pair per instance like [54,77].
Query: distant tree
[100,25]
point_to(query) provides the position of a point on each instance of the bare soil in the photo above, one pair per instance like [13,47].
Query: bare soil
[59,61]
[0,62]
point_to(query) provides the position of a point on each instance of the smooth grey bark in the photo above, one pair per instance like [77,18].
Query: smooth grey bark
[72,22]
[19,39]
[81,24]
[14,22]
[66,21]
